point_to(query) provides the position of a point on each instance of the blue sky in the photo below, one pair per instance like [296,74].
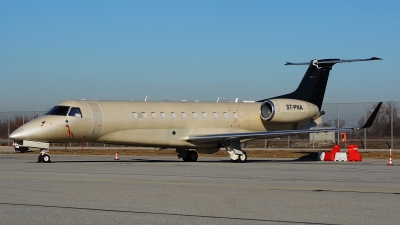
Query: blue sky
[51,51]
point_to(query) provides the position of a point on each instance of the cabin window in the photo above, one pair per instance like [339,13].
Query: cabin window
[76,112]
[144,115]
[58,110]
[226,115]
[183,115]
[162,114]
[194,115]
[234,115]
[134,115]
[204,115]
[173,115]
[153,115]
[215,115]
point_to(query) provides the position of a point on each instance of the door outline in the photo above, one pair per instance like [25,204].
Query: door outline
[97,118]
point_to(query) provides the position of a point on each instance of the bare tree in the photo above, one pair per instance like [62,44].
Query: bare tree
[333,123]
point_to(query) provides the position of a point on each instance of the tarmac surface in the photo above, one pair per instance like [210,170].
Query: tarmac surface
[165,190]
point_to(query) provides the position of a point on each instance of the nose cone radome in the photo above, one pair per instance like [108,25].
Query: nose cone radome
[19,134]
[25,132]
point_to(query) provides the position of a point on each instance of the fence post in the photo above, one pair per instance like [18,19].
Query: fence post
[313,141]
[338,132]
[8,129]
[365,130]
[391,125]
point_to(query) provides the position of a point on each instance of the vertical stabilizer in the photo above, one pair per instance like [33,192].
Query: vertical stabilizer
[312,86]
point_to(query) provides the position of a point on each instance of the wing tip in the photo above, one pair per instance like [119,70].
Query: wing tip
[371,119]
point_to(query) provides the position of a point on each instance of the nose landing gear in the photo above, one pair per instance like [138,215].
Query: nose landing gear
[43,157]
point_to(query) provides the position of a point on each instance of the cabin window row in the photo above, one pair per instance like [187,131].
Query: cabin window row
[173,115]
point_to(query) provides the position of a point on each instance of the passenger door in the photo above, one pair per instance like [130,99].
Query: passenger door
[97,118]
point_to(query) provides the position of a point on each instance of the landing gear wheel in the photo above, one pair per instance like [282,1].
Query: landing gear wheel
[193,156]
[46,158]
[242,157]
[43,156]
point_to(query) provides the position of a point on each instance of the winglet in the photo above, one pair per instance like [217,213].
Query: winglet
[371,119]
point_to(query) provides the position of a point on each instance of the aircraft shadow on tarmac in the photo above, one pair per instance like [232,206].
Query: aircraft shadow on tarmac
[203,160]
[311,156]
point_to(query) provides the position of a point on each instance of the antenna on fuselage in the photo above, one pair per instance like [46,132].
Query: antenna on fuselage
[145,99]
[218,99]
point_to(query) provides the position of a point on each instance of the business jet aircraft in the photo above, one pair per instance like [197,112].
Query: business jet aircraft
[189,127]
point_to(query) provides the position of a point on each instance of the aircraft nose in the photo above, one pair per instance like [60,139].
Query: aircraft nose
[24,132]
[18,134]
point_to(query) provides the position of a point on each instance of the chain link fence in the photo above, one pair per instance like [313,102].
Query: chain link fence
[384,133]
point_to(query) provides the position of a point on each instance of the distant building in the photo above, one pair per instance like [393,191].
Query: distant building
[322,136]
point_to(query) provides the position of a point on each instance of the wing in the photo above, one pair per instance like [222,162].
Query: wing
[218,138]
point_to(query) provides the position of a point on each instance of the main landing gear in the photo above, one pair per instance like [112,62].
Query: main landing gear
[236,153]
[43,157]
[187,155]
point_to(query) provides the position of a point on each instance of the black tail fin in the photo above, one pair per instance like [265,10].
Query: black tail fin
[312,86]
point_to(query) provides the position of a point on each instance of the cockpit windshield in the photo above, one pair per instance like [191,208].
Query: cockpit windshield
[75,112]
[58,110]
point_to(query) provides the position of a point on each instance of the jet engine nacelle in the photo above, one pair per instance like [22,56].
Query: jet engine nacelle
[287,110]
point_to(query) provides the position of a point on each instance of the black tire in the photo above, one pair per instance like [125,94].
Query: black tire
[186,155]
[193,156]
[40,158]
[24,149]
[21,149]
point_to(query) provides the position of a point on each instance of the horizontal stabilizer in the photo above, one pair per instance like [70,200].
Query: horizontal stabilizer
[331,61]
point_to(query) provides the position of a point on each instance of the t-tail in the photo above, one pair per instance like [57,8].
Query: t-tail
[312,86]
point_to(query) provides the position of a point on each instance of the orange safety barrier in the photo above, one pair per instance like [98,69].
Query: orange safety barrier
[330,156]
[336,148]
[353,153]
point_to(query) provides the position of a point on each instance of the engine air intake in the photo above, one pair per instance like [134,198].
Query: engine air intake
[267,110]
